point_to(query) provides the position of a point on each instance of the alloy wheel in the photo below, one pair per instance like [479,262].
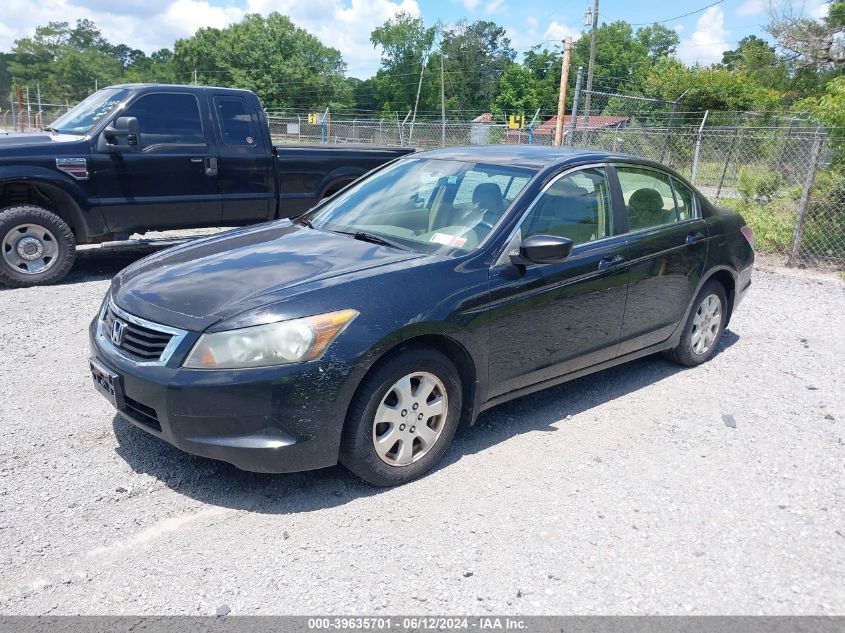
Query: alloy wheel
[706,324]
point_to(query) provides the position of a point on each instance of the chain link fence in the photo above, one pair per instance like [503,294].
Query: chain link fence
[32,119]
[776,170]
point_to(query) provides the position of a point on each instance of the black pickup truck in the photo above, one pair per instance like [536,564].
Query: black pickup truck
[143,157]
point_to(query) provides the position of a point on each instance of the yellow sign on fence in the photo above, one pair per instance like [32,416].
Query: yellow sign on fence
[312,119]
[516,121]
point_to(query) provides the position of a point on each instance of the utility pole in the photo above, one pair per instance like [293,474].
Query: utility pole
[417,101]
[442,105]
[592,61]
[561,99]
[573,119]
[195,76]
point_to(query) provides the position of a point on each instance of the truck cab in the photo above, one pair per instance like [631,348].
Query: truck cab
[139,157]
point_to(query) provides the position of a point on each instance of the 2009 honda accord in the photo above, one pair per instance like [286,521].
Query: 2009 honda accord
[441,285]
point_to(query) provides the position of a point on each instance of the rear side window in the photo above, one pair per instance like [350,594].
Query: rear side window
[648,197]
[685,199]
[168,119]
[235,121]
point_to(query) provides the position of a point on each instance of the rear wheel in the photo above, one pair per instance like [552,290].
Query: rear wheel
[704,327]
[36,247]
[403,417]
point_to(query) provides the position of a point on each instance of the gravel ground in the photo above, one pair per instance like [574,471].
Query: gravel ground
[645,489]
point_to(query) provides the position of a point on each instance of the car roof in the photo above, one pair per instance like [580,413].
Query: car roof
[530,156]
[144,86]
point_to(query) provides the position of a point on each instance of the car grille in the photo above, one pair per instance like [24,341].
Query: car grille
[141,342]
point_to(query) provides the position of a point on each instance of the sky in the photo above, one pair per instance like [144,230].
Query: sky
[346,24]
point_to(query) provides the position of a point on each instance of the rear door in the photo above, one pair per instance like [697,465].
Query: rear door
[667,243]
[547,320]
[245,178]
[169,180]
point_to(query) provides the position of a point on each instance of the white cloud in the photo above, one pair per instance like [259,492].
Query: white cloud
[343,25]
[678,28]
[558,31]
[470,5]
[707,43]
[531,21]
[751,7]
[494,6]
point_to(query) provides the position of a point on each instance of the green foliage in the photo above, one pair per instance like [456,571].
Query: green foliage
[709,88]
[283,64]
[405,42]
[829,110]
[773,223]
[756,185]
[518,93]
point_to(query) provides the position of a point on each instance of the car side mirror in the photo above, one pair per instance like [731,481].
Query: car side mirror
[542,249]
[123,126]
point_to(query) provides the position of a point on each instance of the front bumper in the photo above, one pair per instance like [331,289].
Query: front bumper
[273,420]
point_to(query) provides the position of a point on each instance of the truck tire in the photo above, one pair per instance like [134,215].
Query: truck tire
[36,247]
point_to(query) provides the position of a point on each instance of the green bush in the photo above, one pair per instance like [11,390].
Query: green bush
[758,185]
[772,223]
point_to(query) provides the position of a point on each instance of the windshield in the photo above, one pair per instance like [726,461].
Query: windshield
[82,117]
[429,205]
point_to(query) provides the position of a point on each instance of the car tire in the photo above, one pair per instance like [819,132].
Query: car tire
[404,409]
[37,247]
[704,327]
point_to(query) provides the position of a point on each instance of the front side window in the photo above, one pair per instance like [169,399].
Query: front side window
[648,197]
[429,205]
[576,206]
[235,121]
[168,119]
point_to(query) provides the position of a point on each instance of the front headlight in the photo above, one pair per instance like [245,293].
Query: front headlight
[281,343]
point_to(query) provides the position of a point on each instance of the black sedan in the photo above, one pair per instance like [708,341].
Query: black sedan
[367,330]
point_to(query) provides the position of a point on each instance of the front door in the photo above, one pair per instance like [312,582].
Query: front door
[551,319]
[169,179]
[667,242]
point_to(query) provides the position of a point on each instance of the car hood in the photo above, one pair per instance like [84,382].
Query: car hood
[18,139]
[194,285]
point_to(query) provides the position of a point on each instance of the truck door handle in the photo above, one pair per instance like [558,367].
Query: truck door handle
[692,238]
[210,165]
[610,260]
[196,159]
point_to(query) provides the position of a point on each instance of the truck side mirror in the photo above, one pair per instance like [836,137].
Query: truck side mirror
[126,126]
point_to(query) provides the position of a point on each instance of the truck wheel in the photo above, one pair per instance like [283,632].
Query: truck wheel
[36,247]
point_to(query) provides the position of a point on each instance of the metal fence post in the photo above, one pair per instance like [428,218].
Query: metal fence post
[804,205]
[698,147]
[323,127]
[531,128]
[574,117]
[728,157]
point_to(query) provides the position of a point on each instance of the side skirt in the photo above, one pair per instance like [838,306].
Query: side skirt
[613,362]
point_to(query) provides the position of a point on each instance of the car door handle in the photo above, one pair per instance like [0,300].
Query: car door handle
[196,159]
[210,165]
[610,260]
[693,237]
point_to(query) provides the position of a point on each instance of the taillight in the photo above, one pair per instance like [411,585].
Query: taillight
[748,234]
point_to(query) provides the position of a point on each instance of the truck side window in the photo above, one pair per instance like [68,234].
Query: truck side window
[168,119]
[235,121]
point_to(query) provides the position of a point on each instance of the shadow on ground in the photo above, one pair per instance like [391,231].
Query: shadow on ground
[221,484]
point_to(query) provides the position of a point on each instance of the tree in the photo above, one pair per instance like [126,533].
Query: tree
[713,88]
[829,110]
[286,66]
[819,44]
[659,41]
[475,55]
[758,59]
[518,92]
[405,41]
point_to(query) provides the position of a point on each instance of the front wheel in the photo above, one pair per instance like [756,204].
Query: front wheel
[403,417]
[704,327]
[36,247]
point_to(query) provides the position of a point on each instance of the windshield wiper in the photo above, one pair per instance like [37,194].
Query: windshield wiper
[51,129]
[373,239]
[304,222]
